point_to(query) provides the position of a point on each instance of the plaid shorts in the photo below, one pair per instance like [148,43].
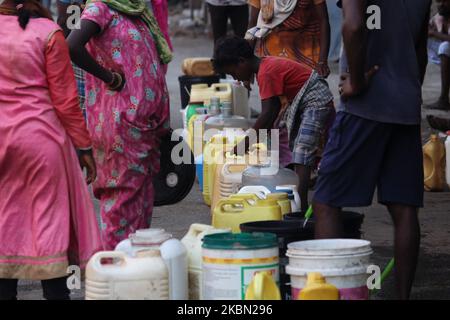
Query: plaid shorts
[312,127]
[307,118]
[81,80]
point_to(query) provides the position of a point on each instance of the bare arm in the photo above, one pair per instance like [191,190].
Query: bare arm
[77,41]
[355,39]
[322,14]
[254,13]
[422,54]
[269,113]
[62,17]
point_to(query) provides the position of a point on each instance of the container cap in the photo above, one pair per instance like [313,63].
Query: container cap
[152,236]
[240,241]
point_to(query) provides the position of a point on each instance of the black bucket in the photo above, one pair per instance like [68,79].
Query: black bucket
[186,83]
[352,222]
[287,232]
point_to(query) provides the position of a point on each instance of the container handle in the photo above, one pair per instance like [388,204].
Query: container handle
[108,254]
[197,228]
[223,203]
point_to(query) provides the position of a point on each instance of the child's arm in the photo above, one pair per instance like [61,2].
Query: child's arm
[269,113]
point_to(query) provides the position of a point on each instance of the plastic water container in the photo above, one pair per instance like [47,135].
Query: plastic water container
[196,129]
[263,287]
[268,176]
[238,209]
[113,275]
[227,179]
[213,153]
[172,252]
[240,98]
[294,196]
[286,232]
[343,263]
[197,67]
[283,201]
[447,152]
[434,164]
[318,289]
[199,170]
[202,94]
[226,119]
[263,192]
[193,243]
[231,260]
[143,239]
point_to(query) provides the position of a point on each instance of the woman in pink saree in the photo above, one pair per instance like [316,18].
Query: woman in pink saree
[123,50]
[47,220]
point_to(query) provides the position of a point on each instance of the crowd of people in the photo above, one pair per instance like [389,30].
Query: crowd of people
[114,66]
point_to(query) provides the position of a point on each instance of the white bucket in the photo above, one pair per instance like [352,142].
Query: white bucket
[343,263]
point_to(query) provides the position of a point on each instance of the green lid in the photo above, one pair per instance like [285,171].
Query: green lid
[240,241]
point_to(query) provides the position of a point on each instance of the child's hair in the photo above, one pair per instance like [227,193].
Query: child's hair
[229,50]
[30,8]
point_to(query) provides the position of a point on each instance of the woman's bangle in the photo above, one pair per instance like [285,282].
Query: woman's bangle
[119,79]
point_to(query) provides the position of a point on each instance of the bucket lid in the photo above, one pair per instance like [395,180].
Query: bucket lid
[328,247]
[152,236]
[240,241]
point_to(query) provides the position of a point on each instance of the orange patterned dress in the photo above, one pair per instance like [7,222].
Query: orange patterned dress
[297,38]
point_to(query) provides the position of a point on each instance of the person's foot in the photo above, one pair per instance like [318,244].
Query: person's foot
[440,124]
[439,105]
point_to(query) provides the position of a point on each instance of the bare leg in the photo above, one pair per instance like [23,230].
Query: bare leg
[443,102]
[304,175]
[407,242]
[328,221]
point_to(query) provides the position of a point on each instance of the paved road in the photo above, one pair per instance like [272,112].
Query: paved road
[433,274]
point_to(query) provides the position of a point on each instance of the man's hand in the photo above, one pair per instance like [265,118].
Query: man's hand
[349,88]
[87,161]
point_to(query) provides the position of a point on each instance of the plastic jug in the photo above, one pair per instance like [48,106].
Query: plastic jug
[268,176]
[195,130]
[240,98]
[228,175]
[172,252]
[282,200]
[226,119]
[144,277]
[197,67]
[143,239]
[318,289]
[213,153]
[447,152]
[203,94]
[193,243]
[199,170]
[262,287]
[227,179]
[235,210]
[434,164]
[293,194]
[263,193]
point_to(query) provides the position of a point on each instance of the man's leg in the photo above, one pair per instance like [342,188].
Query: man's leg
[219,20]
[329,223]
[400,188]
[444,56]
[407,242]
[239,16]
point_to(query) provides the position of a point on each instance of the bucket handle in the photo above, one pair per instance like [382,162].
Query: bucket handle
[107,255]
